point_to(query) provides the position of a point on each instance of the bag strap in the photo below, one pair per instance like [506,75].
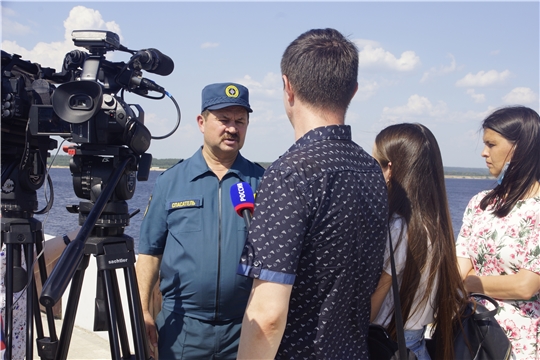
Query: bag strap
[485,314]
[400,334]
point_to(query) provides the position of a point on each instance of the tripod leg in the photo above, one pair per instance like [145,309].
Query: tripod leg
[138,325]
[19,236]
[121,319]
[46,346]
[112,316]
[8,332]
[71,309]
[16,278]
[116,253]
[29,255]
[120,311]
[43,277]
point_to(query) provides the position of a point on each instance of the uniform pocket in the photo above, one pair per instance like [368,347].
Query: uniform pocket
[185,214]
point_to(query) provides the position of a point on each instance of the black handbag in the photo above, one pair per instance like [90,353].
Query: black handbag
[482,337]
[381,346]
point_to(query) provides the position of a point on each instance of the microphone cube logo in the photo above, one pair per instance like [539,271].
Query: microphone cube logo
[241,192]
[242,197]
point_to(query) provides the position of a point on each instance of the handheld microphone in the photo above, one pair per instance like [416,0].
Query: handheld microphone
[243,201]
[154,61]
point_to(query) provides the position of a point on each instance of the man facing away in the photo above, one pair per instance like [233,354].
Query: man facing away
[192,237]
[315,246]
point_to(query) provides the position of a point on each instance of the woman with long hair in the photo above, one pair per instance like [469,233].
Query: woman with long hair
[430,287]
[498,246]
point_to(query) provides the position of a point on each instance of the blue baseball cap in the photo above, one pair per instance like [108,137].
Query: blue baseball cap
[222,95]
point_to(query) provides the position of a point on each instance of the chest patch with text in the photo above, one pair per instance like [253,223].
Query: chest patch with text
[189,203]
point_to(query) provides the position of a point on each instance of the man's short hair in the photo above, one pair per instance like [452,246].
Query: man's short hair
[322,68]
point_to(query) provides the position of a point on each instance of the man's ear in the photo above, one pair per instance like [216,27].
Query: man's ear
[200,122]
[355,90]
[288,89]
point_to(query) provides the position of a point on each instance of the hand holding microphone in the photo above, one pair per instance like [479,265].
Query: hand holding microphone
[243,201]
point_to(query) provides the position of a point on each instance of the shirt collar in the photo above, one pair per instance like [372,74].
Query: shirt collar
[330,132]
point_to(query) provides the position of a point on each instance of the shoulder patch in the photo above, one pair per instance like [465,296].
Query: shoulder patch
[147,206]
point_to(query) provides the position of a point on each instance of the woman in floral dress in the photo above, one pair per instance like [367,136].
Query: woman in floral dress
[498,247]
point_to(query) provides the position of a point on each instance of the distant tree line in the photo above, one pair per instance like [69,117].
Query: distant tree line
[63,160]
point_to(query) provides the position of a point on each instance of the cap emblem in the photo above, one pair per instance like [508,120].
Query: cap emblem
[232,91]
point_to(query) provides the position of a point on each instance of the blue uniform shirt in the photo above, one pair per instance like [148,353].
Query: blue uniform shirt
[191,221]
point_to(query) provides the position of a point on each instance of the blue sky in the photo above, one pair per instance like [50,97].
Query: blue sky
[443,64]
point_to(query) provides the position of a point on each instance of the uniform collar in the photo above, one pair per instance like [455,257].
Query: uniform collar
[198,167]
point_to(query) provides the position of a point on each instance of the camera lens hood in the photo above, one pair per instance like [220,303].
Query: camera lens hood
[77,101]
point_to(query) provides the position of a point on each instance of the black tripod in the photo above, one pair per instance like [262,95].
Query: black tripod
[21,232]
[24,233]
[101,235]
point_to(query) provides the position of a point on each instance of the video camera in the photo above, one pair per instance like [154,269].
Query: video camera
[84,103]
[82,109]
[81,104]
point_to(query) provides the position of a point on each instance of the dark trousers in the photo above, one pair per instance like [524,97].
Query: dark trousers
[182,337]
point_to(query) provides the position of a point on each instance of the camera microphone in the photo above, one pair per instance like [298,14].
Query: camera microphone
[154,61]
[243,201]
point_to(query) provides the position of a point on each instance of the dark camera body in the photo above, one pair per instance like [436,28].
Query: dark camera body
[72,104]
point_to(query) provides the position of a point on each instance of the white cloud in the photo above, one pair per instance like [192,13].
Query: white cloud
[270,87]
[484,78]
[81,17]
[13,27]
[417,107]
[478,98]
[52,54]
[441,70]
[366,89]
[371,56]
[208,45]
[520,95]
[362,43]
[494,52]
[8,12]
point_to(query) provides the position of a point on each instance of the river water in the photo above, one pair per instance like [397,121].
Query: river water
[60,221]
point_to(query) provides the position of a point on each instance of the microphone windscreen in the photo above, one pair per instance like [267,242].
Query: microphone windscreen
[165,65]
[242,197]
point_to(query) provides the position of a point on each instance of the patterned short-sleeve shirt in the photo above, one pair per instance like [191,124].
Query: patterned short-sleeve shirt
[320,224]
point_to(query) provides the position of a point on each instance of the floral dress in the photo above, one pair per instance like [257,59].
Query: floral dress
[503,246]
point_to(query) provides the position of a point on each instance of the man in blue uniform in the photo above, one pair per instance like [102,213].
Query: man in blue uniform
[192,237]
[315,246]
